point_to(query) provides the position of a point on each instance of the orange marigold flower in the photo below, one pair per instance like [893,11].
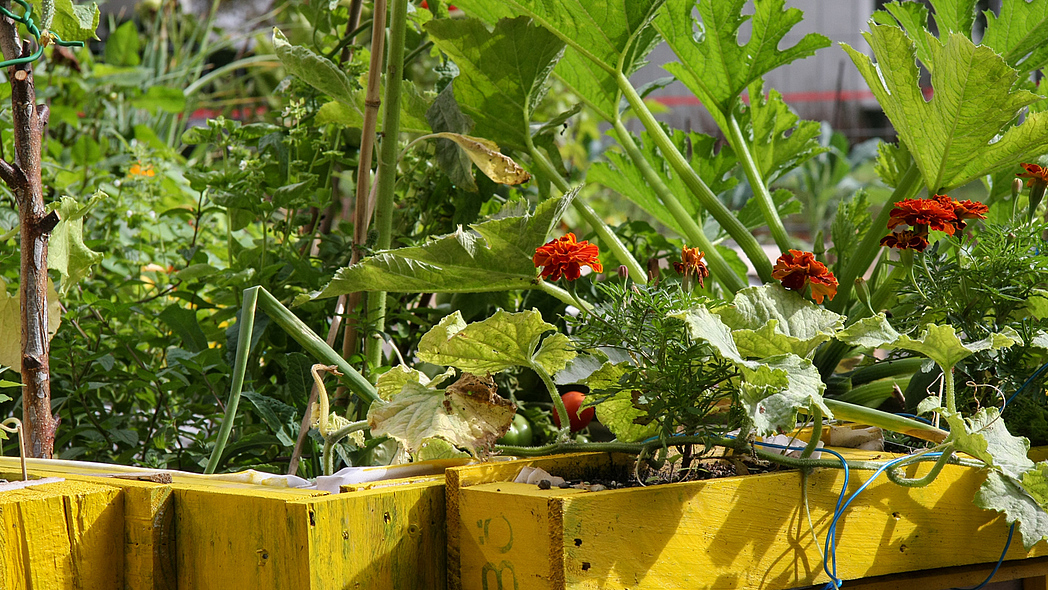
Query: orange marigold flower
[564,256]
[963,210]
[923,213]
[906,240]
[796,270]
[691,264]
[1036,175]
[138,170]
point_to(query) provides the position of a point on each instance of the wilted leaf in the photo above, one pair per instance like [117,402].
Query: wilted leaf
[446,116]
[487,157]
[468,414]
[11,323]
[66,252]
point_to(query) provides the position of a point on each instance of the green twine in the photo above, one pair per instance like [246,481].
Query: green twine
[27,19]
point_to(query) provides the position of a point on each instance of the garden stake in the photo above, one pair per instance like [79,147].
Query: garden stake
[17,427]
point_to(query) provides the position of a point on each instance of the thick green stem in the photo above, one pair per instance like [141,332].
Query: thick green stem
[692,231]
[608,237]
[947,390]
[944,458]
[331,440]
[760,191]
[247,323]
[314,345]
[562,295]
[558,402]
[874,393]
[387,166]
[816,433]
[863,415]
[869,248]
[724,217]
[883,369]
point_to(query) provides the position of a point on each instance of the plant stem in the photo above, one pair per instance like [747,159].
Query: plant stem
[944,458]
[724,217]
[692,231]
[387,167]
[561,294]
[760,191]
[558,402]
[816,433]
[874,393]
[869,248]
[851,412]
[608,237]
[333,439]
[883,369]
[947,387]
[247,323]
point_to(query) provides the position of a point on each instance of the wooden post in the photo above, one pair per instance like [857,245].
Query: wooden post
[23,177]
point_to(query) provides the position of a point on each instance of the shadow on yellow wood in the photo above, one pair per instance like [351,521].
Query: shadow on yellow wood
[739,532]
[62,535]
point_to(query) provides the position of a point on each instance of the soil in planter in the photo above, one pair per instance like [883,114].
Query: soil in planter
[672,472]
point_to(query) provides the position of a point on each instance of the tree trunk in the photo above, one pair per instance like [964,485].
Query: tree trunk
[23,177]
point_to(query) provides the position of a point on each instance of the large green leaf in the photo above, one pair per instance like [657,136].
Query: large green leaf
[1005,494]
[780,140]
[1020,34]
[316,71]
[72,22]
[773,392]
[620,174]
[502,341]
[67,254]
[709,327]
[494,255]
[769,320]
[618,414]
[413,106]
[712,64]
[605,36]
[962,132]
[502,73]
[939,343]
[985,437]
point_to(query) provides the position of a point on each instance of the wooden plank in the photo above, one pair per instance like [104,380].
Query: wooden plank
[577,465]
[741,532]
[62,535]
[1031,571]
[382,538]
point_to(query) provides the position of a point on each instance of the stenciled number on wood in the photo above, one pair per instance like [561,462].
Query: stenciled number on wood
[486,535]
[499,571]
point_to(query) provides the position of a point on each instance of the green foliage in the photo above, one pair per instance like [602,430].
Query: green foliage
[965,130]
[502,74]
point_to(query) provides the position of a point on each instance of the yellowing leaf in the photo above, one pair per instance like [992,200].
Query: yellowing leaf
[11,323]
[486,156]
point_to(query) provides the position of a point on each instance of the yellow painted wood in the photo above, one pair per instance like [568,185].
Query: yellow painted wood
[385,538]
[740,532]
[61,536]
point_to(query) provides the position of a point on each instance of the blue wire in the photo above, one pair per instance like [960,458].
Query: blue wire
[830,548]
[999,562]
[914,417]
[1035,375]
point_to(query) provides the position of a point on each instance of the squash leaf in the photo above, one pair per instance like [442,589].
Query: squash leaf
[712,64]
[962,133]
[502,73]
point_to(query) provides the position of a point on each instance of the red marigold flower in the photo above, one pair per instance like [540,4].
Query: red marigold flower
[906,240]
[1036,175]
[691,264]
[963,210]
[796,270]
[921,213]
[564,256]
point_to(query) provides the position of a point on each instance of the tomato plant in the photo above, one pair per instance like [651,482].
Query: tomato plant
[519,434]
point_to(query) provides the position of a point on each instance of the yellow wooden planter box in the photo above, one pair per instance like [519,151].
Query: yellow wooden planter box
[61,535]
[200,534]
[747,532]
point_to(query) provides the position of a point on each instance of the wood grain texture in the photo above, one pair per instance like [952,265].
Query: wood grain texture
[739,532]
[62,536]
